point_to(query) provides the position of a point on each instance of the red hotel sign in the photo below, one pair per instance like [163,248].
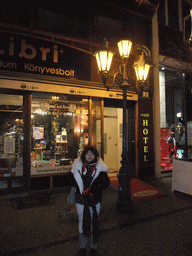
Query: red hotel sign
[145,138]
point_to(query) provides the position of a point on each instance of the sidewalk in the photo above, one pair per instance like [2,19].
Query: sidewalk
[37,225]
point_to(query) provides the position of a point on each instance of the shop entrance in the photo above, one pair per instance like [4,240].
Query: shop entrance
[112,137]
[113,133]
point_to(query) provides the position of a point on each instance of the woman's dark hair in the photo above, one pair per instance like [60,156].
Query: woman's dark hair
[86,150]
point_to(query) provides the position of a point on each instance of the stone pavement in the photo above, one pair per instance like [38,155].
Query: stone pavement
[39,227]
[163,236]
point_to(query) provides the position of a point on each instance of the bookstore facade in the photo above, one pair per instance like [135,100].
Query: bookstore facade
[51,107]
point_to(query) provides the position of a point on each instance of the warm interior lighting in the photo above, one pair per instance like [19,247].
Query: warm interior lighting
[124,48]
[55,98]
[179,115]
[141,69]
[104,59]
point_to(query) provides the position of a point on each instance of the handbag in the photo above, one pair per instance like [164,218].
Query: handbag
[71,196]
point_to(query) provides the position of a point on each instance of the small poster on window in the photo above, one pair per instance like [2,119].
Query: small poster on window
[9,145]
[38,132]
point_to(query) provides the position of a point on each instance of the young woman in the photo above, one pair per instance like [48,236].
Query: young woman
[89,176]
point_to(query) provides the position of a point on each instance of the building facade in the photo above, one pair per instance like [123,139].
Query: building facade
[52,100]
[174,30]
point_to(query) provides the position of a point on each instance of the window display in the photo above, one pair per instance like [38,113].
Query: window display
[59,131]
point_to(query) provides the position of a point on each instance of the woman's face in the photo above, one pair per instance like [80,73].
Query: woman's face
[89,156]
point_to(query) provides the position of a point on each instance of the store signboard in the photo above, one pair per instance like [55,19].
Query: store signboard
[145,137]
[20,53]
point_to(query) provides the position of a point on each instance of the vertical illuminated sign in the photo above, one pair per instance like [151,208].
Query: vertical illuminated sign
[145,137]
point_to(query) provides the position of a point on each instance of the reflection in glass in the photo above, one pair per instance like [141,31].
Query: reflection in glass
[11,139]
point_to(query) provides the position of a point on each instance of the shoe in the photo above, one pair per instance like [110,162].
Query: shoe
[93,252]
[82,252]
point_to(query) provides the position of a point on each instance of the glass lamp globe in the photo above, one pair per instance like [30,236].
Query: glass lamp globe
[124,48]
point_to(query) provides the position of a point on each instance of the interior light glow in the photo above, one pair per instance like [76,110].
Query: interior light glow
[179,114]
[40,112]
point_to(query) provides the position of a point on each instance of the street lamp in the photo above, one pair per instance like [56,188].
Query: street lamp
[104,59]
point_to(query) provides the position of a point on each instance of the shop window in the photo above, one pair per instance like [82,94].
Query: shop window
[176,118]
[11,141]
[59,131]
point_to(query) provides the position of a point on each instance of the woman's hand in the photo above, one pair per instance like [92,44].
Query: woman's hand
[85,192]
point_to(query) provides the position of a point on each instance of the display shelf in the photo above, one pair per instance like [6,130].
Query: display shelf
[62,146]
[49,169]
[50,172]
[7,163]
[39,150]
[4,170]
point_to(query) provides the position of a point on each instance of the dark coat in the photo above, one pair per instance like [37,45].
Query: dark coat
[99,183]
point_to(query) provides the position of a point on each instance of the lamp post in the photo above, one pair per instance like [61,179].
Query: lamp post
[104,59]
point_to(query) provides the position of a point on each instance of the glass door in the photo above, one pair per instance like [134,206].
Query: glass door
[11,142]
